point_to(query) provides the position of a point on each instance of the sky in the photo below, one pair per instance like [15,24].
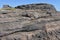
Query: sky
[14,3]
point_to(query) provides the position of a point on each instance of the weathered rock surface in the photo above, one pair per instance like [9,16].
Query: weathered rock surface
[30,22]
[6,6]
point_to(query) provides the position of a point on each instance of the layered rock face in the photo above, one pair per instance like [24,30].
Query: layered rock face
[41,7]
[30,22]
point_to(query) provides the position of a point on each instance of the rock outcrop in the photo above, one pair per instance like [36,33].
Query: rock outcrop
[41,6]
[30,22]
[6,6]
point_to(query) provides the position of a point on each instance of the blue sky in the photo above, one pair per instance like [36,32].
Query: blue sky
[14,3]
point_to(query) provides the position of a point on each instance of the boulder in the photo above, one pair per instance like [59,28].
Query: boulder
[6,6]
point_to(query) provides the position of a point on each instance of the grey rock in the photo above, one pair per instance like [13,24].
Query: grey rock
[30,22]
[6,6]
[40,6]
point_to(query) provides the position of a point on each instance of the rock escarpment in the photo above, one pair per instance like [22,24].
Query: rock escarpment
[30,22]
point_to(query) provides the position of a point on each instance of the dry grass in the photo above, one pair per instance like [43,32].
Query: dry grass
[7,9]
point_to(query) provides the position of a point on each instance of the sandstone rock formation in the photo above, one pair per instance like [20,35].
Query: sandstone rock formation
[30,22]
